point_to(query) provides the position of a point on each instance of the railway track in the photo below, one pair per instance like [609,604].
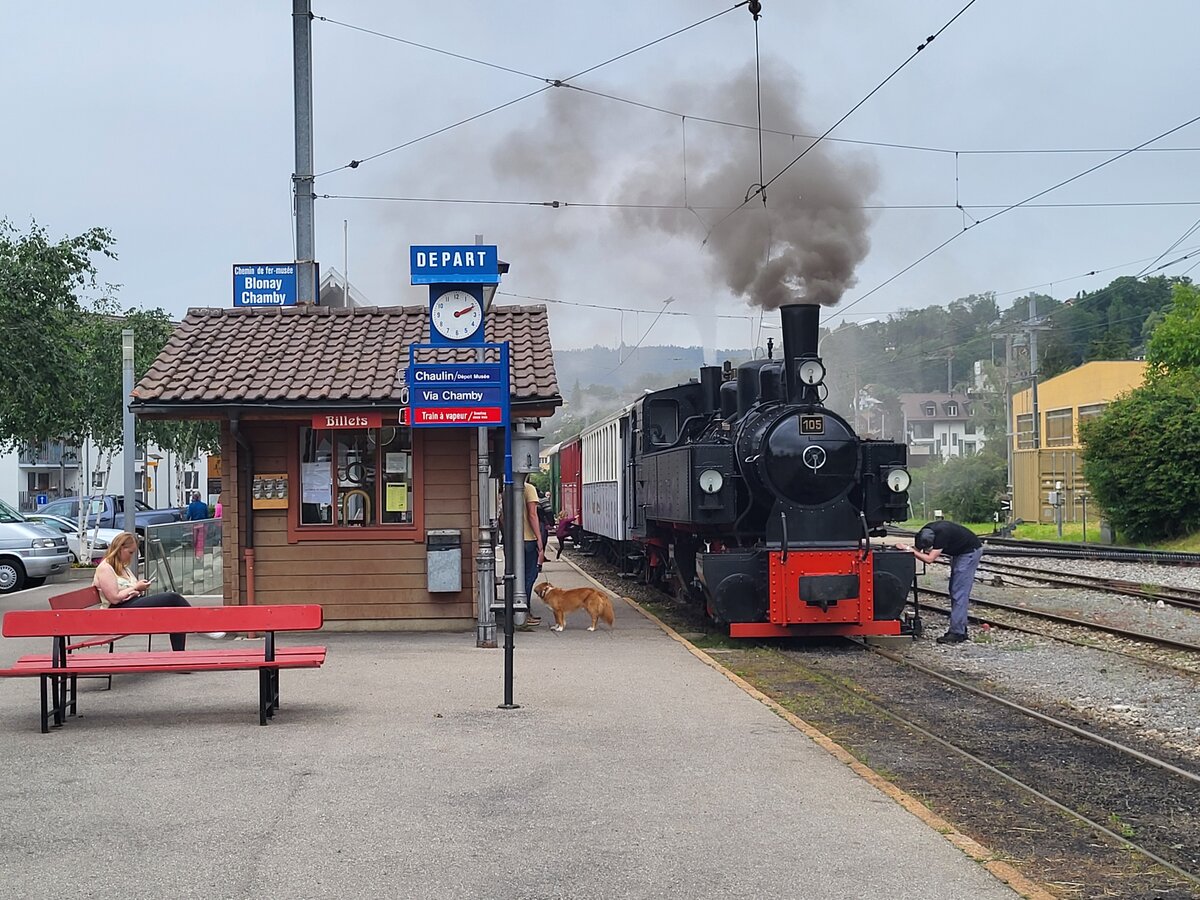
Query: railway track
[1173,596]
[1189,666]
[996,546]
[1130,797]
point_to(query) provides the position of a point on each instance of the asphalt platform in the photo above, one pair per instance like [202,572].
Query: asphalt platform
[633,768]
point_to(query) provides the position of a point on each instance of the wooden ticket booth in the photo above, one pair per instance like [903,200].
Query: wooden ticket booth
[329,496]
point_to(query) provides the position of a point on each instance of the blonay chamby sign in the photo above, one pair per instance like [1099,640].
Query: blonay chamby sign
[264,284]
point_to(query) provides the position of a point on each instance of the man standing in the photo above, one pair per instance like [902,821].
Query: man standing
[951,539]
[197,509]
[535,553]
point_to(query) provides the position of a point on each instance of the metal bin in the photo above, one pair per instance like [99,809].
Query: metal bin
[443,560]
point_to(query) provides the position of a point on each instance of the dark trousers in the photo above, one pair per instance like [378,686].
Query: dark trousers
[167,598]
[531,569]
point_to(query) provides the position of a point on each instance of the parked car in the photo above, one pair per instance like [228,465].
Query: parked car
[29,552]
[108,511]
[100,537]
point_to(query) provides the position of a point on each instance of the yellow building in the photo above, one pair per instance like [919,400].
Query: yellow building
[1051,455]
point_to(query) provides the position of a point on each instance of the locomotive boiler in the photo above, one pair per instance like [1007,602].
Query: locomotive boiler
[746,494]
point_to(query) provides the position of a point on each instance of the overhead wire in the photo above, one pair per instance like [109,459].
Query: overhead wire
[929,40]
[548,82]
[1024,202]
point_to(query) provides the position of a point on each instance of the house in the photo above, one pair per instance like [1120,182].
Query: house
[329,495]
[939,425]
[1046,454]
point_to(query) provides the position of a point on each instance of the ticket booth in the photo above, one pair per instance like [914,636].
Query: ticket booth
[329,495]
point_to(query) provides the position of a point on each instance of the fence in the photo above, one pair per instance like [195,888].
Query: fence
[185,557]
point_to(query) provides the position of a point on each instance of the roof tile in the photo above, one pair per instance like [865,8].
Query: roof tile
[317,353]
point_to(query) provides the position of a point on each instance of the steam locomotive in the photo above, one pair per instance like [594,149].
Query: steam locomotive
[744,494]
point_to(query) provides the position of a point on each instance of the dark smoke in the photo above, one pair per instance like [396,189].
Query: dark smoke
[803,246]
[813,226]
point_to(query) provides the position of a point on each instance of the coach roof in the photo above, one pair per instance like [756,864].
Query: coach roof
[321,356]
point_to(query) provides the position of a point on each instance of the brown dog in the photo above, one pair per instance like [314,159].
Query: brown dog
[562,601]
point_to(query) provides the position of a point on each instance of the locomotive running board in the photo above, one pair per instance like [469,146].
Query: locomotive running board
[848,629]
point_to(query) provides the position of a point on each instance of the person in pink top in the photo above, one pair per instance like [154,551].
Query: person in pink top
[217,509]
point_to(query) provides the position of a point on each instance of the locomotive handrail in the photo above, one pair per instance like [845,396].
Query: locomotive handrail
[783,525]
[865,543]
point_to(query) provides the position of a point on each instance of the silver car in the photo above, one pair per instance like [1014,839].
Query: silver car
[99,538]
[29,552]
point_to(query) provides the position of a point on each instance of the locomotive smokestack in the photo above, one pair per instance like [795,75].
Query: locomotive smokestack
[801,328]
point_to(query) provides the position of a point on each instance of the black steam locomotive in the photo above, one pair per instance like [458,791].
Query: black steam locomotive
[746,494]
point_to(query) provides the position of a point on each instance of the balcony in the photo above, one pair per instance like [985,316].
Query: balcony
[47,454]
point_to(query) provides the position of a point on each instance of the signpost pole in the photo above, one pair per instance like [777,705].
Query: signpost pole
[302,181]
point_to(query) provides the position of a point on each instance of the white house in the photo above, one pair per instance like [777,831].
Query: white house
[940,425]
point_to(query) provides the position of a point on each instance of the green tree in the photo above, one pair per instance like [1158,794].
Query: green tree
[1175,343]
[1142,458]
[40,285]
[967,488]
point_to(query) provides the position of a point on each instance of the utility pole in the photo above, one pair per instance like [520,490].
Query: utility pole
[128,441]
[302,180]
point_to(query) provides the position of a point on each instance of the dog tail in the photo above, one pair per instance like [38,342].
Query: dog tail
[606,612]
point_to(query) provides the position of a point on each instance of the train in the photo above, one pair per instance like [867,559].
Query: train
[742,493]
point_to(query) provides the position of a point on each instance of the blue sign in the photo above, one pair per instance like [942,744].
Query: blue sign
[264,284]
[467,264]
[42,499]
[465,395]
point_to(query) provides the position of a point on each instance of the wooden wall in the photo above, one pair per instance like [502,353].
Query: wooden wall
[363,584]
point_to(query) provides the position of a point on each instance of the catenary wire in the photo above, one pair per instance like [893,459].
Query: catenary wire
[929,40]
[1024,202]
[558,82]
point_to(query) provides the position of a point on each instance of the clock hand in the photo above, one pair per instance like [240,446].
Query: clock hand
[463,312]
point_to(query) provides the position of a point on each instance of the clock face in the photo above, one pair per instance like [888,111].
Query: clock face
[456,315]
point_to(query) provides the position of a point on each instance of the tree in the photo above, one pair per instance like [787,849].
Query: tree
[40,284]
[1175,343]
[1142,458]
[968,488]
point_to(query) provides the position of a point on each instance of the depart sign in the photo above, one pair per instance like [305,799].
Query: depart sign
[454,264]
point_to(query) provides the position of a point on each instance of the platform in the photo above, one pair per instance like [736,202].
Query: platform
[632,769]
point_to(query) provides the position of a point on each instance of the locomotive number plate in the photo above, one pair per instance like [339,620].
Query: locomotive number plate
[812,424]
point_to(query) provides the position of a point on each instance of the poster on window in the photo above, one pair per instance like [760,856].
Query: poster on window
[395,463]
[316,484]
[397,498]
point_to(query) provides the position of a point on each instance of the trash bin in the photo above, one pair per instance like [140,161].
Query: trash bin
[443,560]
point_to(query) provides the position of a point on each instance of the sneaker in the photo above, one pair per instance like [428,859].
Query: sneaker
[952,637]
[215,635]
[533,620]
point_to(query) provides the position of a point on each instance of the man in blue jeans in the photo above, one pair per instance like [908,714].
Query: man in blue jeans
[943,538]
[535,551]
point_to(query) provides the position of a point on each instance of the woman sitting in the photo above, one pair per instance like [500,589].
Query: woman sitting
[118,586]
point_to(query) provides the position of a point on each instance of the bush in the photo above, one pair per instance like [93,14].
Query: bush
[1142,459]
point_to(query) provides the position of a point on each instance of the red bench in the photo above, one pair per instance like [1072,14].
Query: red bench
[59,671]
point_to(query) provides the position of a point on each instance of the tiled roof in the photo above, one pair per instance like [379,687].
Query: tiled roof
[297,354]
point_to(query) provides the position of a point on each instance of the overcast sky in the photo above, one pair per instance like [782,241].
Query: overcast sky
[171,125]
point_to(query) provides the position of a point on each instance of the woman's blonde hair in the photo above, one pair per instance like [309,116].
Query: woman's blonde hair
[113,556]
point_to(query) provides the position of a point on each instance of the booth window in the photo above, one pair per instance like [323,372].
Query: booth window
[356,477]
[1059,430]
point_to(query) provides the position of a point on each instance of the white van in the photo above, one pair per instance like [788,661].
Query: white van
[29,553]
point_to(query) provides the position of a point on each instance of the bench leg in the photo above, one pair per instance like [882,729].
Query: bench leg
[274,690]
[59,692]
[74,693]
[45,710]
[264,690]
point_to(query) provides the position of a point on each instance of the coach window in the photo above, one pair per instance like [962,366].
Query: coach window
[356,477]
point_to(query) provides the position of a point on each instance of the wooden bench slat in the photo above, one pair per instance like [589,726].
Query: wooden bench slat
[100,659]
[161,620]
[127,663]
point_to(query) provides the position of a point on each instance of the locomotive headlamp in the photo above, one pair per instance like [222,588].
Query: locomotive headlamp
[898,480]
[811,371]
[711,481]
